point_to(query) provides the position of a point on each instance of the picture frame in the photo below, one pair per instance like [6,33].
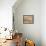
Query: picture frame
[28,19]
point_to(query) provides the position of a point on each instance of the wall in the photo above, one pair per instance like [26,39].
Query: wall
[43,22]
[30,31]
[6,13]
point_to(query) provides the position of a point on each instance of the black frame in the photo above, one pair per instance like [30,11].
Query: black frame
[28,21]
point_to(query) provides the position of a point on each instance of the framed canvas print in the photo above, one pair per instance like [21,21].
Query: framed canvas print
[28,19]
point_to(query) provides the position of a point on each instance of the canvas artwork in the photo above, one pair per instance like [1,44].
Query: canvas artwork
[28,19]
